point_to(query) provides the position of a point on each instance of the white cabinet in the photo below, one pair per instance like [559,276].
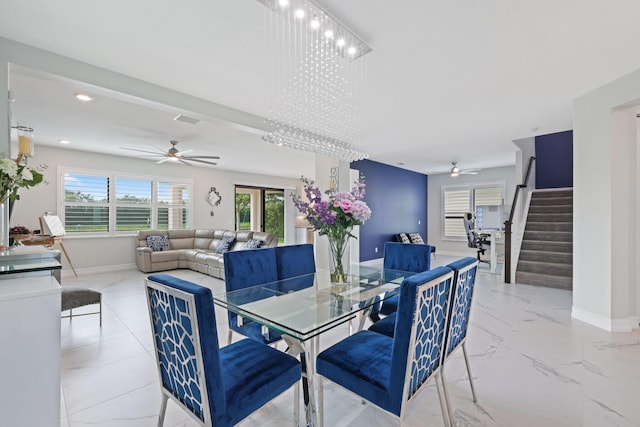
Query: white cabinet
[29,347]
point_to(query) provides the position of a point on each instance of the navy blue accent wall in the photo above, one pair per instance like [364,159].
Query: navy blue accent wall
[554,160]
[398,200]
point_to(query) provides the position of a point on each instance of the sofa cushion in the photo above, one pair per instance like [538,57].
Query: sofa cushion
[269,239]
[416,238]
[165,256]
[404,238]
[225,244]
[252,244]
[203,239]
[158,243]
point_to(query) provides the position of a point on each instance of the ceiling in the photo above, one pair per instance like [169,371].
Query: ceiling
[445,80]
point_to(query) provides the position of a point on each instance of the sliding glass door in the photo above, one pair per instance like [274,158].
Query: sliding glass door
[260,209]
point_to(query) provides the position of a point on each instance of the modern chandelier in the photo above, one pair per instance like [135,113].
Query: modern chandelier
[318,72]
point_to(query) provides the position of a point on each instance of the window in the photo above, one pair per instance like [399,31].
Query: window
[108,203]
[460,199]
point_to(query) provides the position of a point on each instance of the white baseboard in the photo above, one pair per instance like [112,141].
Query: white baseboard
[603,322]
[68,273]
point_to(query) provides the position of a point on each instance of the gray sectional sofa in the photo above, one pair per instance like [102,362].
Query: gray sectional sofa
[197,249]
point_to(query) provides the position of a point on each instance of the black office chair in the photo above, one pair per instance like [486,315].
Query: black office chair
[480,242]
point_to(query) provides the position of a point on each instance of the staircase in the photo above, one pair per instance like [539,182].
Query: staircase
[546,255]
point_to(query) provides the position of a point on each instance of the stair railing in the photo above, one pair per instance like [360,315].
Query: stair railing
[508,223]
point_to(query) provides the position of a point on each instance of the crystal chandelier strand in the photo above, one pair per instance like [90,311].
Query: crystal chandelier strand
[313,102]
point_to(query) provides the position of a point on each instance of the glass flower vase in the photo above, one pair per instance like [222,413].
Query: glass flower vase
[4,225]
[339,258]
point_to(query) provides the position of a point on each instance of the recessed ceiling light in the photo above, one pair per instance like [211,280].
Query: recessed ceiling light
[328,34]
[352,50]
[340,42]
[283,3]
[315,24]
[64,141]
[300,14]
[83,97]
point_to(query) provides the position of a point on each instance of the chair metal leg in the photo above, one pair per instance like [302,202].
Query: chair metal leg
[101,312]
[296,404]
[448,421]
[163,409]
[320,402]
[229,337]
[70,314]
[466,361]
[447,399]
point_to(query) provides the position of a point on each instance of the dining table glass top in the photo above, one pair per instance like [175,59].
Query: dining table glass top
[307,305]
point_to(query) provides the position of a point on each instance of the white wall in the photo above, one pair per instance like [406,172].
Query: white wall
[605,246]
[99,253]
[506,175]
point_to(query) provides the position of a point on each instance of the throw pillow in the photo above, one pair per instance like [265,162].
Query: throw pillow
[416,238]
[253,244]
[225,244]
[158,243]
[404,238]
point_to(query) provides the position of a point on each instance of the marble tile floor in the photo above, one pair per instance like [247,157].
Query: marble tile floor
[532,365]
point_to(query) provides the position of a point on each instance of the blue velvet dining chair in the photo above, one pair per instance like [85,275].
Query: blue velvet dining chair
[406,257]
[464,270]
[216,386]
[243,269]
[389,372]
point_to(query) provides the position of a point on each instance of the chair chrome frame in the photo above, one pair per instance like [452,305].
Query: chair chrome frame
[424,293]
[458,322]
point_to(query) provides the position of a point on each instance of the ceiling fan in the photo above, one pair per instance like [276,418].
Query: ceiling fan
[455,170]
[173,154]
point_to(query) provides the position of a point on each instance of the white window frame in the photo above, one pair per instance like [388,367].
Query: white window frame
[113,203]
[471,187]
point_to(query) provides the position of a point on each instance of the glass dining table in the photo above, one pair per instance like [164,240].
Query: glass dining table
[303,307]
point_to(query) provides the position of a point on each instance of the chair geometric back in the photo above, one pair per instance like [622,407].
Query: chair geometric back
[465,270]
[184,330]
[387,371]
[423,311]
[243,269]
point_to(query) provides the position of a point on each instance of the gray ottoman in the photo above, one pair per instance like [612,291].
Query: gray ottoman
[79,297]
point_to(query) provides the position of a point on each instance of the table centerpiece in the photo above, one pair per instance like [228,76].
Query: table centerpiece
[335,218]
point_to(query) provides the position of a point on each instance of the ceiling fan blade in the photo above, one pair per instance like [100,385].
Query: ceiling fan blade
[160,153]
[185,151]
[160,150]
[200,157]
[184,163]
[163,160]
[470,172]
[200,161]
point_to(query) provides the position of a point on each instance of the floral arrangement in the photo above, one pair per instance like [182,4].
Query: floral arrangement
[334,217]
[14,176]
